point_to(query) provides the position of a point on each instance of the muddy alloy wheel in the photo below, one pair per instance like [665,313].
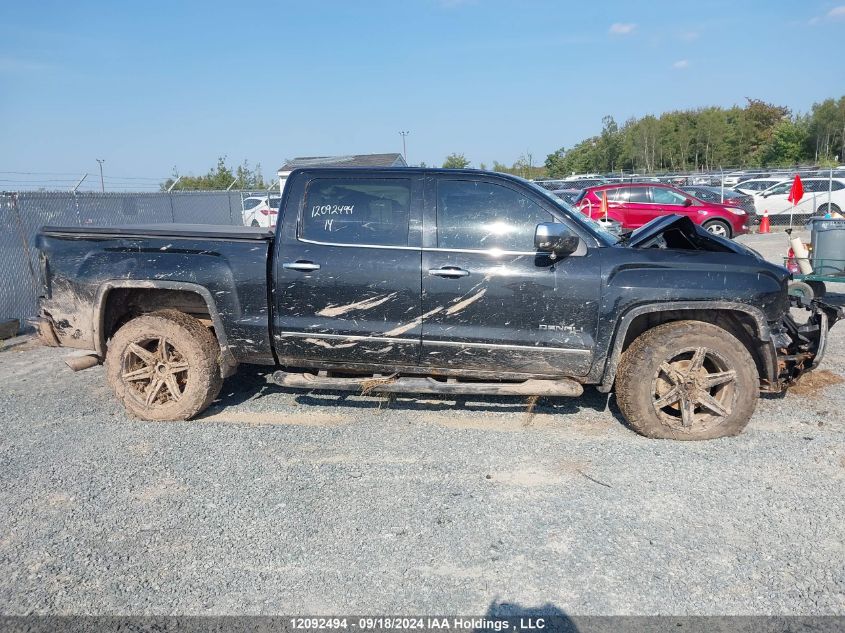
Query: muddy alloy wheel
[156,371]
[163,366]
[687,380]
[694,389]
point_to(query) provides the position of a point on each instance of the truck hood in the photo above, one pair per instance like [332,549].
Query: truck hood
[678,232]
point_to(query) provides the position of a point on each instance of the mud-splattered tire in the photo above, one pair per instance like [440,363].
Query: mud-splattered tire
[164,366]
[687,380]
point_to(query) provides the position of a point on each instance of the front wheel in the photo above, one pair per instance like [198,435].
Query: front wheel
[718,227]
[687,380]
[163,366]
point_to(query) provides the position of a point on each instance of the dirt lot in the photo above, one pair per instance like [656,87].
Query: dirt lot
[292,502]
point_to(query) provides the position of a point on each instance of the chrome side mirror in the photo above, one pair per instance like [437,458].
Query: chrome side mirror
[555,238]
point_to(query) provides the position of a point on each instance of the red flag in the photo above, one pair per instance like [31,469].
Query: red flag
[797,191]
[603,206]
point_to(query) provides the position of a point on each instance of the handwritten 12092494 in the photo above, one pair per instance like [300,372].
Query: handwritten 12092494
[331,209]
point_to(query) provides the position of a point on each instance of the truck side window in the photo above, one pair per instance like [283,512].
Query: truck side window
[366,211]
[482,216]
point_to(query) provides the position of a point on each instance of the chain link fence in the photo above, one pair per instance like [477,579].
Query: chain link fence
[23,213]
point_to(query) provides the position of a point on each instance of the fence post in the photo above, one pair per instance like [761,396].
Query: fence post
[76,207]
[172,212]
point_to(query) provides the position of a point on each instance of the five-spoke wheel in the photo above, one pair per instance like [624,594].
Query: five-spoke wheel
[687,380]
[163,365]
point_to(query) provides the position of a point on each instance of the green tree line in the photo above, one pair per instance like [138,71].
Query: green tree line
[758,135]
[220,177]
[523,166]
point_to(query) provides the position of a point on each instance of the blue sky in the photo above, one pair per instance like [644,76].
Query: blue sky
[152,85]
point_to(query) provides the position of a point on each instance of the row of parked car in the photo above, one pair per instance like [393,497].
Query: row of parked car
[723,211]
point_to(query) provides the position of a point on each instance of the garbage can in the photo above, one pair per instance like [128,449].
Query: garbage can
[828,238]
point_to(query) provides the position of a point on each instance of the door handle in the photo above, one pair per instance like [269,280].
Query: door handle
[301,265]
[448,272]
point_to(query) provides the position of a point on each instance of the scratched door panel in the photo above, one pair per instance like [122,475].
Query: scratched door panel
[520,313]
[361,306]
[347,271]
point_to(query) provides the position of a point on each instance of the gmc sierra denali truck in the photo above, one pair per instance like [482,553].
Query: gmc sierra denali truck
[433,281]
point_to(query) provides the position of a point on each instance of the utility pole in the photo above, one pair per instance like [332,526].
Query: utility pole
[404,152]
[102,183]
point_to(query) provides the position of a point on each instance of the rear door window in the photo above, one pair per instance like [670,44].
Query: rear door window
[357,211]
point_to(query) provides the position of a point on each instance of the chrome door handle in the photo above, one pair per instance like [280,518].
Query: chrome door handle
[304,266]
[448,272]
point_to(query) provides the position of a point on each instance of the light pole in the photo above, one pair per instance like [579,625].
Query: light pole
[102,183]
[404,152]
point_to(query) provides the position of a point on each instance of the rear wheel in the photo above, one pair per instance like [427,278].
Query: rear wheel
[163,366]
[687,380]
[718,227]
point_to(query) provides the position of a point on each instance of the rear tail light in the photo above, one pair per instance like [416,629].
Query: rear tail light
[269,212]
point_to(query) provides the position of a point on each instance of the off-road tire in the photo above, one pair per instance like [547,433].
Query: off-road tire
[640,370]
[189,342]
[718,223]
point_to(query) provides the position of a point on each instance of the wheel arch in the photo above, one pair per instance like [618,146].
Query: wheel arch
[746,323]
[159,294]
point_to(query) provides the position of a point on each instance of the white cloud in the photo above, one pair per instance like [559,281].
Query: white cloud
[836,13]
[681,64]
[622,28]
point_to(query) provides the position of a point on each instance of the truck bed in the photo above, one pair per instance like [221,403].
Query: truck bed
[96,277]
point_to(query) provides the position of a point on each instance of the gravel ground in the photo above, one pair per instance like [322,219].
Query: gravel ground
[291,502]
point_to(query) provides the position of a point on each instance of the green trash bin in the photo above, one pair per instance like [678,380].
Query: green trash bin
[828,239]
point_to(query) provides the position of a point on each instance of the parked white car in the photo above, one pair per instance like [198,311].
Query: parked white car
[735,177]
[756,185]
[261,210]
[820,196]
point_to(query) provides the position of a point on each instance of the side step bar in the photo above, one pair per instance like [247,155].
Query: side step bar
[407,384]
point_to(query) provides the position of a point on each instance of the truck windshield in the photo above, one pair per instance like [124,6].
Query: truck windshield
[594,228]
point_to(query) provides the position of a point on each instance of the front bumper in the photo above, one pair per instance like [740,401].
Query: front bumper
[799,347]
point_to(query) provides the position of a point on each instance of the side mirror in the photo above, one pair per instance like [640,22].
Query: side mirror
[687,202]
[555,238]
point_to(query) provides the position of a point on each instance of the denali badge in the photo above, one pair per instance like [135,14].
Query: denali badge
[561,328]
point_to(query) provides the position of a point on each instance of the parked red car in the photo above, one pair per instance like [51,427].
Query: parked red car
[635,204]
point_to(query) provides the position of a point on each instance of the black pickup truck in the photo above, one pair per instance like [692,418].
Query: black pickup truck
[433,281]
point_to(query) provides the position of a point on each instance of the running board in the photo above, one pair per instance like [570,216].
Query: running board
[407,384]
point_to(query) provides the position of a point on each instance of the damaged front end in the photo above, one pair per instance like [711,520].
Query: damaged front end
[801,346]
